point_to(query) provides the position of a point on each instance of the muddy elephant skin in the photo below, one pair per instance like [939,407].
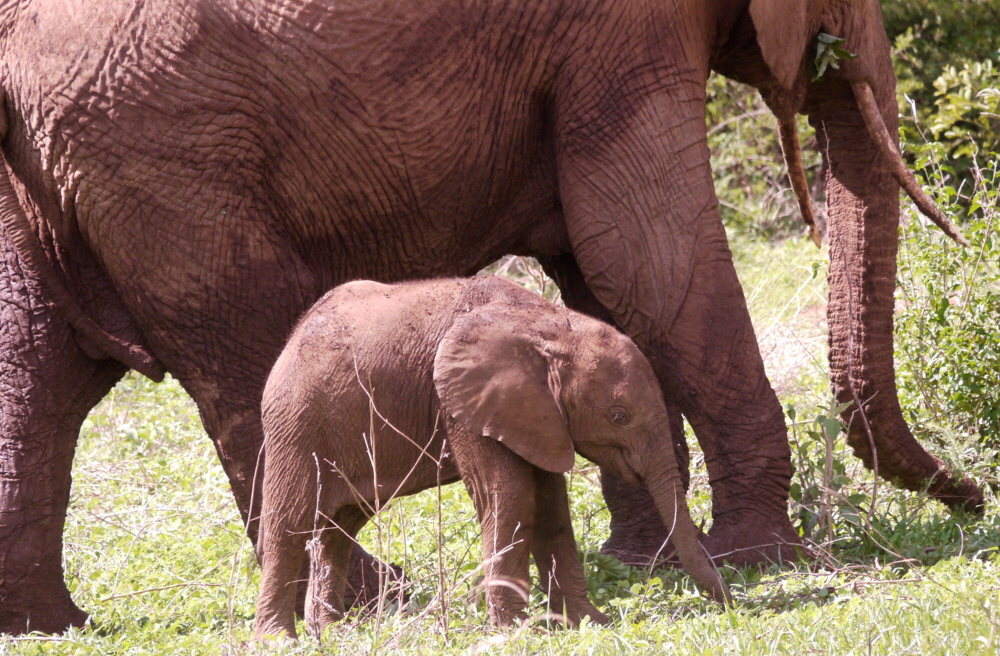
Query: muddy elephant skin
[182,179]
[387,390]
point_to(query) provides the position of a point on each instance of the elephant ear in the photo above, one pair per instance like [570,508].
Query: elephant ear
[497,372]
[783,34]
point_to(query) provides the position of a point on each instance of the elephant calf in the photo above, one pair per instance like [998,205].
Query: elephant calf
[386,390]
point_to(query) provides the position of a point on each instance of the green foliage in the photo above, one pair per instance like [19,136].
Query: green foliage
[946,57]
[828,54]
[945,30]
[751,182]
[967,108]
[948,318]
[820,473]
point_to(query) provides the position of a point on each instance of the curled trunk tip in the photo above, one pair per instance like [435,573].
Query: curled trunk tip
[887,147]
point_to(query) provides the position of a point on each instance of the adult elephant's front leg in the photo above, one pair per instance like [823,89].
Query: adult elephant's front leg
[47,387]
[646,233]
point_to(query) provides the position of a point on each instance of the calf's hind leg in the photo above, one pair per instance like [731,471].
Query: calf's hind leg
[329,555]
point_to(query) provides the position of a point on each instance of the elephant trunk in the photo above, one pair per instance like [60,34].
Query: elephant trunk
[664,483]
[863,203]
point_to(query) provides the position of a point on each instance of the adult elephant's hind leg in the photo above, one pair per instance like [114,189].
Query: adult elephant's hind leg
[47,387]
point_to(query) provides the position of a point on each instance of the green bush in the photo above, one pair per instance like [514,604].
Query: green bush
[947,61]
[948,317]
[947,30]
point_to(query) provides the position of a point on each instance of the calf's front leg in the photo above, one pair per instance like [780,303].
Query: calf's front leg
[560,573]
[502,486]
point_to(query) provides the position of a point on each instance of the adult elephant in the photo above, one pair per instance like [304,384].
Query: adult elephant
[182,179]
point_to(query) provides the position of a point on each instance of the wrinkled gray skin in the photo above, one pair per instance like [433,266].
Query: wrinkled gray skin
[473,378]
[188,177]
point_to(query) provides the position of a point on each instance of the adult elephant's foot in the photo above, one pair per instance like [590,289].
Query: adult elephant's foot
[368,579]
[639,538]
[46,608]
[754,540]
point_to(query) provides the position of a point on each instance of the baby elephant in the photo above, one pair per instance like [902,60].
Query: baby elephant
[386,390]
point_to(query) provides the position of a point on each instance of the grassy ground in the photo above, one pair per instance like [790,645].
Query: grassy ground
[155,548]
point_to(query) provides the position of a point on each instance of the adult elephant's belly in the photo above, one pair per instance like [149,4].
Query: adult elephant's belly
[220,212]
[218,235]
[376,203]
[457,239]
[236,180]
[218,244]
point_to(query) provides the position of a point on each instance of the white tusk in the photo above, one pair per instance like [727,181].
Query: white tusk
[797,174]
[887,146]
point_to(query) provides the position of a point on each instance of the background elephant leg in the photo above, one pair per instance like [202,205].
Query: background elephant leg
[329,556]
[502,486]
[560,573]
[637,531]
[47,387]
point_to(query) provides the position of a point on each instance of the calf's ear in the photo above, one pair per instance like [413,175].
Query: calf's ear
[497,372]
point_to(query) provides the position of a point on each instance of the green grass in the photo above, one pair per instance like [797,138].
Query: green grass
[155,548]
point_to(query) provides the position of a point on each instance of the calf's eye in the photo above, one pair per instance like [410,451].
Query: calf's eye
[619,416]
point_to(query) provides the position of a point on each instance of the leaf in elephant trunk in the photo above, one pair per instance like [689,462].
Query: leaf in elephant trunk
[828,53]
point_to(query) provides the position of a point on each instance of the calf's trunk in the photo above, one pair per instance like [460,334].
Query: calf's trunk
[664,483]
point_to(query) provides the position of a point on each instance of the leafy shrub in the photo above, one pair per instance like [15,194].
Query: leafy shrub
[946,30]
[947,61]
[948,316]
